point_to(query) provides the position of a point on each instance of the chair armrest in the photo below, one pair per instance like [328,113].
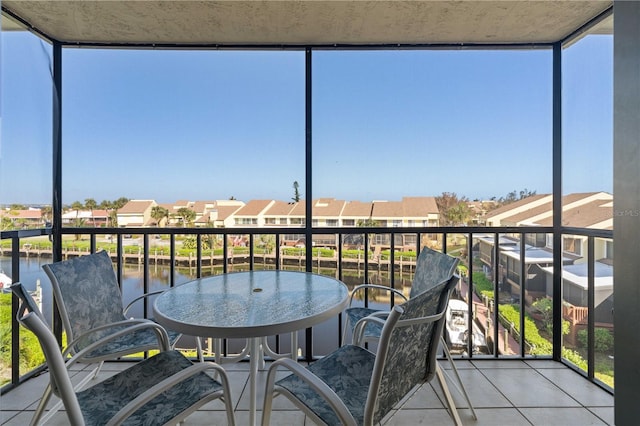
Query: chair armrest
[420,320]
[166,384]
[375,286]
[358,329]
[143,296]
[131,326]
[341,410]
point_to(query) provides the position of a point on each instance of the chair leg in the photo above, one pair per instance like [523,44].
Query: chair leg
[344,332]
[42,405]
[460,388]
[40,417]
[445,389]
[267,403]
[97,370]
[199,349]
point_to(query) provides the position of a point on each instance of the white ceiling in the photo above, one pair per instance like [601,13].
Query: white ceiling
[306,22]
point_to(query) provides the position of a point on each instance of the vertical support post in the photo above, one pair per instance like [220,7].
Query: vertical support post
[591,304]
[308,186]
[15,305]
[56,202]
[557,201]
[496,295]
[523,291]
[626,207]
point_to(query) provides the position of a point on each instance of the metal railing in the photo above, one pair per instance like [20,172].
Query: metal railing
[360,254]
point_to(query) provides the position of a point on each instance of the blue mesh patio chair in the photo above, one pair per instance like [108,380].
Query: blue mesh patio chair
[353,386]
[162,389]
[90,303]
[432,268]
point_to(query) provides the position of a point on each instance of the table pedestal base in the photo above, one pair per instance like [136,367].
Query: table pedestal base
[259,347]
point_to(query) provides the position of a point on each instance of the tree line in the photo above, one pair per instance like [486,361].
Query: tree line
[455,210]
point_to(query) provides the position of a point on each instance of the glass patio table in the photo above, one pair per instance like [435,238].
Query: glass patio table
[251,305]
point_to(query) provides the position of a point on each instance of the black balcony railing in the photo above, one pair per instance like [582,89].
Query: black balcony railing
[506,304]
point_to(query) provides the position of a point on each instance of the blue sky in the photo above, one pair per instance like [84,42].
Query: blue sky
[169,125]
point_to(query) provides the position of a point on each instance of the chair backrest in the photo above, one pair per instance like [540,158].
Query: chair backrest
[32,319]
[410,332]
[432,268]
[27,303]
[87,293]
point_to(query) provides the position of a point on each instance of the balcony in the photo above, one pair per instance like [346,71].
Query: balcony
[553,395]
[575,292]
[585,392]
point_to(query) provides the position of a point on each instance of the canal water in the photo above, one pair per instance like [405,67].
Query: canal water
[325,335]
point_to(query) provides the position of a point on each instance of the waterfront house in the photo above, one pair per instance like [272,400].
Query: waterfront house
[97,217]
[136,213]
[496,216]
[217,214]
[582,210]
[278,213]
[253,213]
[29,218]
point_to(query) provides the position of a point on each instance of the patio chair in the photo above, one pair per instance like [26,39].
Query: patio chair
[162,389]
[432,268]
[88,297]
[353,386]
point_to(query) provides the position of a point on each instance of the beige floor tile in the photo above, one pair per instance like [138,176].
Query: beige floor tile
[561,416]
[508,393]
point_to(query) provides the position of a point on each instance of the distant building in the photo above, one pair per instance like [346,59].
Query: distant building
[31,218]
[97,217]
[252,214]
[410,212]
[136,213]
[580,210]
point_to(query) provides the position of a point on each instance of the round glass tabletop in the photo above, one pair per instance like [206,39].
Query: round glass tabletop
[250,304]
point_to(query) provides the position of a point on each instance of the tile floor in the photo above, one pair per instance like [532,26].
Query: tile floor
[504,392]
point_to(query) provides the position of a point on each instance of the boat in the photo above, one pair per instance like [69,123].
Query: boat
[5,287]
[457,329]
[5,282]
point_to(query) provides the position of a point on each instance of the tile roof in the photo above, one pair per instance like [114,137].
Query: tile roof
[357,209]
[409,207]
[298,209]
[585,215]
[530,213]
[202,206]
[253,207]
[383,209]
[135,206]
[515,204]
[279,208]
[419,206]
[327,207]
[225,211]
[22,214]
[582,214]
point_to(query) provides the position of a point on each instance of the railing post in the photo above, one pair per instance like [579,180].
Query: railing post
[506,340]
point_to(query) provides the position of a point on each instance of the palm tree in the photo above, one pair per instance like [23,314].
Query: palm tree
[187,215]
[108,206]
[158,213]
[296,191]
[46,214]
[77,206]
[91,204]
[120,202]
[78,223]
